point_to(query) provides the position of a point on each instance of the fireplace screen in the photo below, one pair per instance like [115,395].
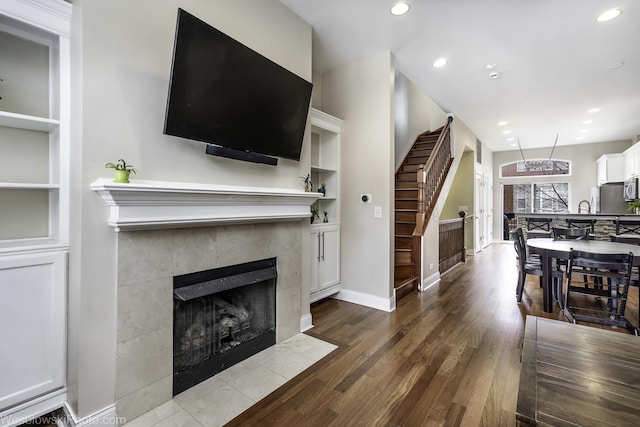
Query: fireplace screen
[221,317]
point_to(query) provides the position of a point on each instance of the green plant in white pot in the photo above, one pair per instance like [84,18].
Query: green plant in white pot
[121,171]
[634,206]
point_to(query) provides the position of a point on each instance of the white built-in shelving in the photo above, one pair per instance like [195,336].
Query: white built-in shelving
[34,205]
[324,232]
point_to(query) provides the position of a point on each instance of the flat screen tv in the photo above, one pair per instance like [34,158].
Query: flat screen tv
[221,92]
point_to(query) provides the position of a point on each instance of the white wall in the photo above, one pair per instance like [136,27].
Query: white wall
[122,54]
[361,94]
[415,113]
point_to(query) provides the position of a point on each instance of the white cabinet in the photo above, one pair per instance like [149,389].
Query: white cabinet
[325,230]
[34,205]
[610,168]
[32,326]
[632,161]
[325,261]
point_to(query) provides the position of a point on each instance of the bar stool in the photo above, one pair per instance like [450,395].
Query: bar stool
[629,229]
[538,227]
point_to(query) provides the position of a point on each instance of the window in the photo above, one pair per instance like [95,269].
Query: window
[536,168]
[540,197]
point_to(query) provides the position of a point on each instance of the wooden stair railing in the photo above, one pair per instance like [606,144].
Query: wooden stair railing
[451,243]
[431,177]
[429,158]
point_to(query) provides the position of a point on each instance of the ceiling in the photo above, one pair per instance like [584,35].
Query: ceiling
[556,62]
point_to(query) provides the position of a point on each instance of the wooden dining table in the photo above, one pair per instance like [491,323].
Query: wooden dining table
[576,375]
[550,249]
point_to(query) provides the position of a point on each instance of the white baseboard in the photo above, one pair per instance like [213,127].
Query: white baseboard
[306,322]
[39,406]
[367,300]
[106,417]
[428,282]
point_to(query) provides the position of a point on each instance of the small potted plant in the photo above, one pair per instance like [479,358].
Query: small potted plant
[634,206]
[323,190]
[308,185]
[121,171]
[314,214]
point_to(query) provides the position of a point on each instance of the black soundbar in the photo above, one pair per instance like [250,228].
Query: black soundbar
[231,153]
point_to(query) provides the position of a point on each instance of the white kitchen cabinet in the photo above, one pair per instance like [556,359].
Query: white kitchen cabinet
[611,168]
[632,161]
[325,261]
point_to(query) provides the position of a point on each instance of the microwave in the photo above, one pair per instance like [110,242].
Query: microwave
[631,189]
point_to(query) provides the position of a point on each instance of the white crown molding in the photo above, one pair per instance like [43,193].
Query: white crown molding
[144,204]
[325,121]
[50,15]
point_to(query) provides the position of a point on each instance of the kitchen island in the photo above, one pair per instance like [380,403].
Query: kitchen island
[604,227]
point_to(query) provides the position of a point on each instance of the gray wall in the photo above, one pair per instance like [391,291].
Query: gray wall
[361,94]
[121,61]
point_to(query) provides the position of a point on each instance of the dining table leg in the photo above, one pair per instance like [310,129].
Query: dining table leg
[547,294]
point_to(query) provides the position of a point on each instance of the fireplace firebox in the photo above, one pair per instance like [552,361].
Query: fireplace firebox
[221,317]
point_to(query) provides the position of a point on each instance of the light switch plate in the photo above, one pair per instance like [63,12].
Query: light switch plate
[377,212]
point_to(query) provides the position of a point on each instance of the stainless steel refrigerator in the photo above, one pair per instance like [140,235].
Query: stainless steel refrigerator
[608,199]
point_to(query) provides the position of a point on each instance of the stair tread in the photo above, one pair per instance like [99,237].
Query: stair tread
[404,281]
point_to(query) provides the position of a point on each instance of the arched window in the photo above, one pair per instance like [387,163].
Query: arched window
[535,167]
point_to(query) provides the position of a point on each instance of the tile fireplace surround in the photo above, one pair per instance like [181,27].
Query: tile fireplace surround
[168,229]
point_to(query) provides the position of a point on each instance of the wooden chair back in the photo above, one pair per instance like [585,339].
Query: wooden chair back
[560,233]
[609,276]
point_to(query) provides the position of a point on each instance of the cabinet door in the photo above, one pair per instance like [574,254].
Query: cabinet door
[316,250]
[32,325]
[602,170]
[329,265]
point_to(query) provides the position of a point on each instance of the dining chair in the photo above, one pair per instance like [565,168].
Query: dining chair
[560,233]
[635,271]
[569,234]
[532,267]
[589,224]
[609,276]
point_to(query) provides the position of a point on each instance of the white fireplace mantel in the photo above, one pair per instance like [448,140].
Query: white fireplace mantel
[145,204]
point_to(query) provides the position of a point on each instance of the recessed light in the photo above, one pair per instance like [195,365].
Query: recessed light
[400,8]
[593,110]
[506,132]
[587,122]
[502,123]
[490,66]
[608,15]
[440,63]
[494,75]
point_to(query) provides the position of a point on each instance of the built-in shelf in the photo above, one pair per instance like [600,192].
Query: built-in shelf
[145,204]
[23,121]
[27,186]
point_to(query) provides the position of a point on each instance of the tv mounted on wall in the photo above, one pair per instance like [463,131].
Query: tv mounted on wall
[223,93]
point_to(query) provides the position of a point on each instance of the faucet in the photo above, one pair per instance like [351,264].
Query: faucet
[580,206]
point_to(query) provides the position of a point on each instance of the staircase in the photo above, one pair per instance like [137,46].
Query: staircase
[408,209]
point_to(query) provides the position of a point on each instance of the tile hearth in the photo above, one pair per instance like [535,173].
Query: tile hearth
[221,398]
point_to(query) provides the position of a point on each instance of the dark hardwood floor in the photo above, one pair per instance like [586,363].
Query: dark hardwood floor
[446,356]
